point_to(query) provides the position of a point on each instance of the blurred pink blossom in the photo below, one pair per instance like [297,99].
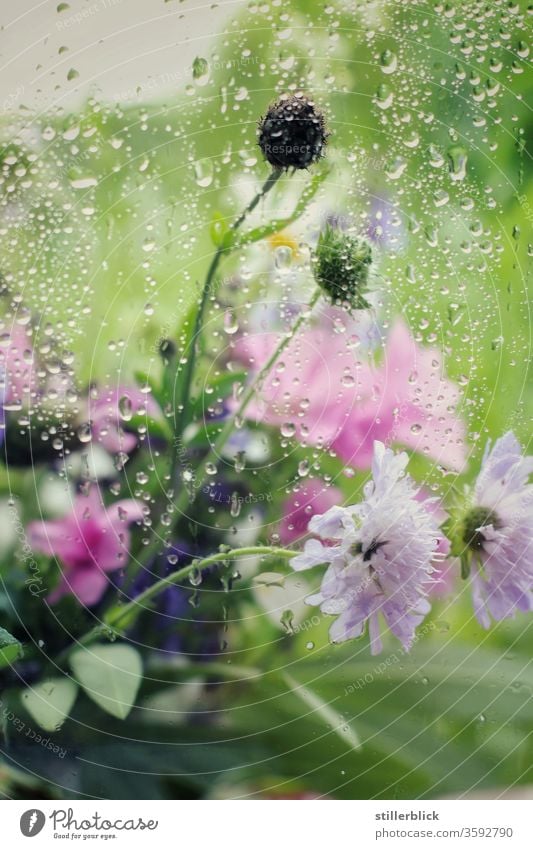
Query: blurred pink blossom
[314,497]
[111,408]
[334,399]
[16,366]
[90,541]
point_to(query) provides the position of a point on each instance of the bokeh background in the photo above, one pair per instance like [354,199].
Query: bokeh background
[128,128]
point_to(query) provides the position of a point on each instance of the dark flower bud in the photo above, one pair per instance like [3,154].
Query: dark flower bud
[293,132]
[341,266]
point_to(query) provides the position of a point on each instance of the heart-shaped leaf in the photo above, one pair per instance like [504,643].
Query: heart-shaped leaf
[50,702]
[110,675]
[10,648]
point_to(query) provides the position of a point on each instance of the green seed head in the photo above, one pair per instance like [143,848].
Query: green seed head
[341,266]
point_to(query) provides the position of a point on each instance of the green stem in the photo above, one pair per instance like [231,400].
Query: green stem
[183,500]
[222,249]
[226,431]
[185,383]
[137,605]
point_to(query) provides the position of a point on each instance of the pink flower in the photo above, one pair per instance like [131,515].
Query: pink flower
[111,408]
[337,401]
[313,497]
[411,402]
[16,366]
[90,541]
[304,388]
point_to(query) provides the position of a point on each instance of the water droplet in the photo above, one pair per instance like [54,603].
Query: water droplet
[457,159]
[287,619]
[231,325]
[283,258]
[288,429]
[125,408]
[203,173]
[83,182]
[235,505]
[200,71]
[195,577]
[388,61]
[84,432]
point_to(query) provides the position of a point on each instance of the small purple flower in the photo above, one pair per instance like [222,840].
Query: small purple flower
[379,554]
[498,533]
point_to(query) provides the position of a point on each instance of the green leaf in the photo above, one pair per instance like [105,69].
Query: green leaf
[216,390]
[157,428]
[110,675]
[325,711]
[50,702]
[10,648]
[278,224]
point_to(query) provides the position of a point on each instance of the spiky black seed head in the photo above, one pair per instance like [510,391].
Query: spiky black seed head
[474,522]
[341,266]
[293,132]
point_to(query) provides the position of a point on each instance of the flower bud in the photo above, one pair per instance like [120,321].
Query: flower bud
[293,132]
[341,266]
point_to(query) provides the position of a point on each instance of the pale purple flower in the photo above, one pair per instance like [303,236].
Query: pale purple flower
[379,553]
[498,530]
[90,541]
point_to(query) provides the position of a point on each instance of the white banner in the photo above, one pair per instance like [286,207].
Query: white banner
[255,824]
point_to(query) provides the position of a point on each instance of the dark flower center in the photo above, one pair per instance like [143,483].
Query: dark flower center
[374,546]
[474,523]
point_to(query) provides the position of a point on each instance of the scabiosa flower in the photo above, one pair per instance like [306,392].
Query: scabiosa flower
[379,554]
[341,266]
[494,536]
[90,541]
[293,132]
